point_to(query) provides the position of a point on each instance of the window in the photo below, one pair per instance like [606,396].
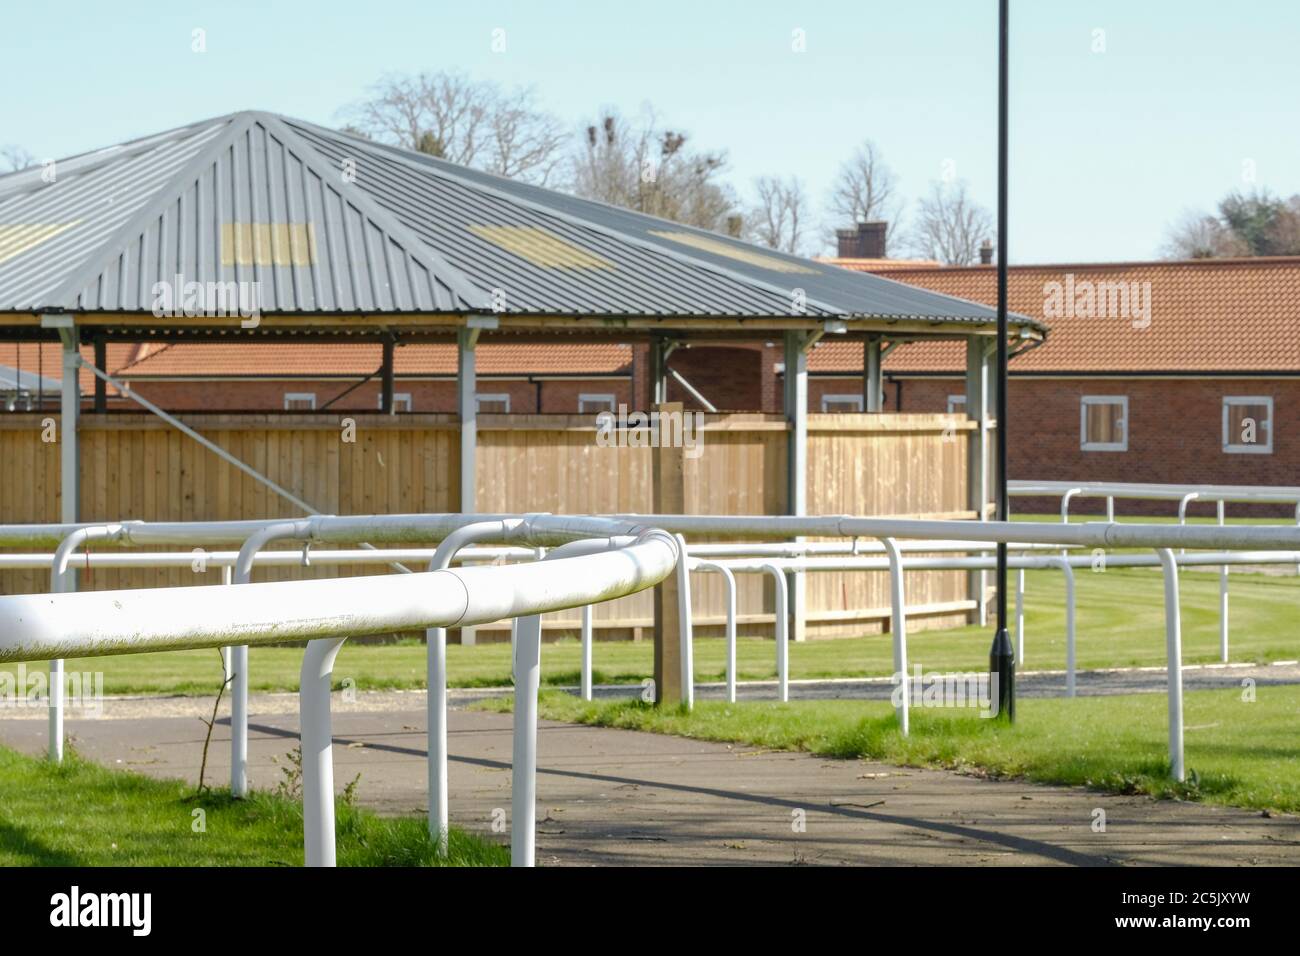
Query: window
[493,404]
[1103,423]
[841,403]
[1248,425]
[956,404]
[401,401]
[589,402]
[299,401]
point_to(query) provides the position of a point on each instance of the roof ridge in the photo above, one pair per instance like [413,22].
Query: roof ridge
[66,292]
[429,257]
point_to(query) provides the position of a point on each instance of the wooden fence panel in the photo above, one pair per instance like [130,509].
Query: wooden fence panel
[135,466]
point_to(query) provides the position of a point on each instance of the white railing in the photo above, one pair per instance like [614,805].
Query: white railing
[594,560]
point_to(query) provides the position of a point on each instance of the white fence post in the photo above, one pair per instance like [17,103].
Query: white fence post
[1223,599]
[523,767]
[684,624]
[1174,654]
[316,740]
[1020,617]
[585,679]
[781,631]
[898,627]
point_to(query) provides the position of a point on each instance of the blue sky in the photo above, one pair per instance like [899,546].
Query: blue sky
[1107,147]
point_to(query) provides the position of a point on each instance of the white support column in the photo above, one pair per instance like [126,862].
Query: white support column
[523,768]
[69,492]
[467,409]
[796,413]
[977,456]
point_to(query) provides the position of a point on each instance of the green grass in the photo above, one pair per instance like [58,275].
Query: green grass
[1238,753]
[1120,623]
[82,814]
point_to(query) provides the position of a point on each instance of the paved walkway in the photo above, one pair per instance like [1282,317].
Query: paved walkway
[611,797]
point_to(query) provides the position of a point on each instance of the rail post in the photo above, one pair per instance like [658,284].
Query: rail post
[523,766]
[1174,653]
[898,629]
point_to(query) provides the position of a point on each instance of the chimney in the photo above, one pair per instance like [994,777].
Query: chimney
[986,253]
[734,224]
[864,241]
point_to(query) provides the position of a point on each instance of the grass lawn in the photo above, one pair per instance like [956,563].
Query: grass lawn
[82,814]
[1238,753]
[1120,623]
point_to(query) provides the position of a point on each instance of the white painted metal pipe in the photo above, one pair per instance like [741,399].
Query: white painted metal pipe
[1068,571]
[1223,597]
[1020,617]
[586,652]
[1174,653]
[898,631]
[523,773]
[729,598]
[781,628]
[62,581]
[316,739]
[685,635]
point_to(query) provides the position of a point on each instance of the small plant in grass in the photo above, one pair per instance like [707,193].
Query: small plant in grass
[212,722]
[290,784]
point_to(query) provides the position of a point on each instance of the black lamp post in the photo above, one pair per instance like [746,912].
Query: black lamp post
[1002,657]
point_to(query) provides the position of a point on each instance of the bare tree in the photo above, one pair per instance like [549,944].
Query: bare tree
[865,190]
[464,121]
[778,219]
[1198,236]
[950,226]
[14,158]
[651,170]
[1248,224]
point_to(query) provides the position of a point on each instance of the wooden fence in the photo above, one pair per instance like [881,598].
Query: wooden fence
[135,466]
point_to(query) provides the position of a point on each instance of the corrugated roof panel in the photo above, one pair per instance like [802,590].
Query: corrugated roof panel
[266,215]
[271,205]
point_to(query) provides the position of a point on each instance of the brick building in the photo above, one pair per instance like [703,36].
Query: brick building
[1177,372]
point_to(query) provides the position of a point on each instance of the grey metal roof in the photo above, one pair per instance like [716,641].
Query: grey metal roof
[327,222]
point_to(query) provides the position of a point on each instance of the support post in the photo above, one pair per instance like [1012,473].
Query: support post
[585,679]
[796,413]
[316,739]
[1174,662]
[467,409]
[873,385]
[669,482]
[523,765]
[69,492]
[101,387]
[386,379]
[977,457]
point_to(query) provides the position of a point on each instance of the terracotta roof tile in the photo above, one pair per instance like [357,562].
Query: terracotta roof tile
[1206,315]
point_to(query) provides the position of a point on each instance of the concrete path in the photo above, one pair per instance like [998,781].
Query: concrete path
[610,797]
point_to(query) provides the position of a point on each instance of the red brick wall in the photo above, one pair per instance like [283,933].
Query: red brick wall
[557,396]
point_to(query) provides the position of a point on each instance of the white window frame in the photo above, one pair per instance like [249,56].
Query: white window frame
[602,398]
[1084,402]
[481,397]
[854,399]
[1258,448]
[954,401]
[299,397]
[399,398]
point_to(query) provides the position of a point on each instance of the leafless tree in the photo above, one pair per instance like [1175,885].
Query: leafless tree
[14,158]
[950,226]
[865,190]
[778,219]
[1198,236]
[465,121]
[650,169]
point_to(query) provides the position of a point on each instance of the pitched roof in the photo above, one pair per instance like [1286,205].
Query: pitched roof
[327,360]
[1206,315]
[326,222]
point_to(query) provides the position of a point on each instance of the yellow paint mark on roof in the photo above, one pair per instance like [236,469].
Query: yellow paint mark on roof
[739,253]
[268,244]
[541,248]
[16,238]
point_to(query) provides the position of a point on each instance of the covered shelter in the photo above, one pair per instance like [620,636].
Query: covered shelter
[253,227]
